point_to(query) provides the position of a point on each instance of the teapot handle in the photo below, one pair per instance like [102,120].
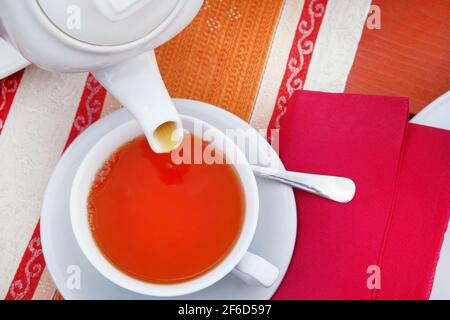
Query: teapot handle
[138,85]
[10,59]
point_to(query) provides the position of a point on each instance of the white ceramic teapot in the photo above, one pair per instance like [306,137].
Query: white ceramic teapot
[113,39]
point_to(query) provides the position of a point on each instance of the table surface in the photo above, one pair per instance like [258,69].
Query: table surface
[409,56]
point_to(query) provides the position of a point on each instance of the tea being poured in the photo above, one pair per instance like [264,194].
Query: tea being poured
[164,223]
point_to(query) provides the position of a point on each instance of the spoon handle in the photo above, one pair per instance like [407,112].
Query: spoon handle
[338,189]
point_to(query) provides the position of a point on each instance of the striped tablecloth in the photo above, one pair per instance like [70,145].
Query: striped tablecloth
[245,56]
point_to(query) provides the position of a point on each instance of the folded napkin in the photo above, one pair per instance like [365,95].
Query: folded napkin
[384,244]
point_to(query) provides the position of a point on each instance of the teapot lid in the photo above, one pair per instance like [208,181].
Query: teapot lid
[107,22]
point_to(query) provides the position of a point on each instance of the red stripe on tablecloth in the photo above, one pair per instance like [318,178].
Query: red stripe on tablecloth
[29,271]
[90,109]
[8,89]
[32,265]
[299,57]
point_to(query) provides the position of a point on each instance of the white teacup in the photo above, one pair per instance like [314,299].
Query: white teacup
[251,268]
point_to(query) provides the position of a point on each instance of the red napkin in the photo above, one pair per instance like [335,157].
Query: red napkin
[399,215]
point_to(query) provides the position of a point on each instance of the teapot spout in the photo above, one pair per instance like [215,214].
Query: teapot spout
[137,84]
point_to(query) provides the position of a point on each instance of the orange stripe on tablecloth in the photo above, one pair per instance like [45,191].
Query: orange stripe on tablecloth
[300,56]
[32,264]
[408,56]
[8,89]
[220,57]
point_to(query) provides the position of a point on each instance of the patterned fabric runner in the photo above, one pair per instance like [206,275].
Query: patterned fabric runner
[8,89]
[31,267]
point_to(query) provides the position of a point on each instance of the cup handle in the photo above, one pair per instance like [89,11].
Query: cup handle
[255,270]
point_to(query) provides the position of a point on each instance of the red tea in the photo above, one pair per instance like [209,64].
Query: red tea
[164,223]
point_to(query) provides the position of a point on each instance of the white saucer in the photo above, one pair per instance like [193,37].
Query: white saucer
[274,239]
[10,60]
[437,115]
